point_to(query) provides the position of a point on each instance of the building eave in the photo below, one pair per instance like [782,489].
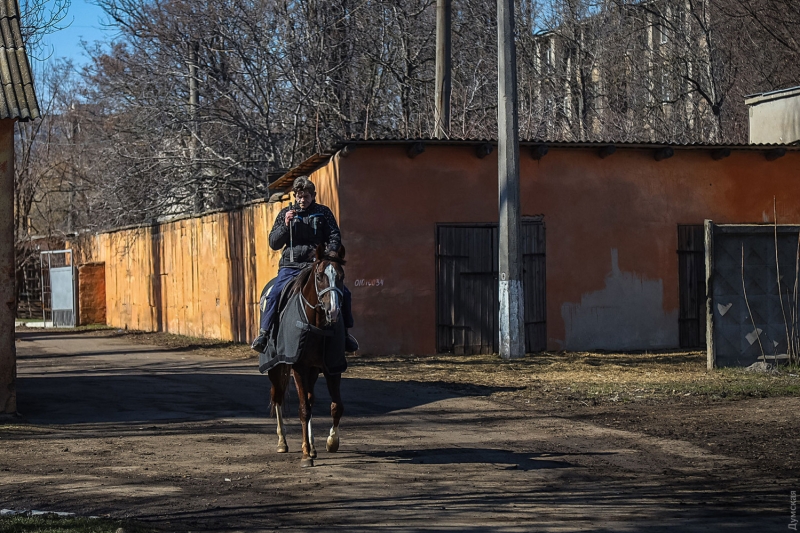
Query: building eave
[319,160]
[761,98]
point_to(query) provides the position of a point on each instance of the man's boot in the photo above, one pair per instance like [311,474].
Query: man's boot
[260,342]
[350,343]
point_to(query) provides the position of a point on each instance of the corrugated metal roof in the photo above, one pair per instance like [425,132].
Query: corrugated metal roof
[17,99]
[568,144]
[319,160]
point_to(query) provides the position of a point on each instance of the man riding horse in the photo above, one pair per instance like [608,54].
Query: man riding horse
[299,229]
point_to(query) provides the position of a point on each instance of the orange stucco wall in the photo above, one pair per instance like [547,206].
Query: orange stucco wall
[612,266]
[611,229]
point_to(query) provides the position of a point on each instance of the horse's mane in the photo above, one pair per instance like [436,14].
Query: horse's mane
[324,255]
[301,279]
[333,258]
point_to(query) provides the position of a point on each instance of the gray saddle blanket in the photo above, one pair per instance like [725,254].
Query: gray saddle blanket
[296,336]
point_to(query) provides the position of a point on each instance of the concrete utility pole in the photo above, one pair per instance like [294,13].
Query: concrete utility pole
[512,311]
[8,294]
[443,67]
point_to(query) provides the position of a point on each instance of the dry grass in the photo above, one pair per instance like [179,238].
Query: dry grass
[583,377]
[565,377]
[207,347]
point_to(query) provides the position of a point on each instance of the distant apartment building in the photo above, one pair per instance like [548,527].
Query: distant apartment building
[623,75]
[775,116]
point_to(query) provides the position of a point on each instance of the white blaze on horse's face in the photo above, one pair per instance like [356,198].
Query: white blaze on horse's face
[334,295]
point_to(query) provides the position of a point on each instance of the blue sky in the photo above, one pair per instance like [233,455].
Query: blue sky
[85,23]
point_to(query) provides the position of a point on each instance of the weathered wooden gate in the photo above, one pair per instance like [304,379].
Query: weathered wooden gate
[692,286]
[467,287]
[534,284]
[752,308]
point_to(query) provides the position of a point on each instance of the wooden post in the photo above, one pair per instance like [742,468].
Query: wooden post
[8,294]
[443,85]
[711,356]
[512,312]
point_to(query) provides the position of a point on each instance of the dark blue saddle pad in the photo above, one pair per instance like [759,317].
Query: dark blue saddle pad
[294,337]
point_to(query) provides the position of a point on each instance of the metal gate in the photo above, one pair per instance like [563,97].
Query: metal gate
[58,288]
[467,287]
[692,286]
[748,318]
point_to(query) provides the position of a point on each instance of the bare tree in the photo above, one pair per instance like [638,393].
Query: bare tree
[195,106]
[49,189]
[39,18]
[663,70]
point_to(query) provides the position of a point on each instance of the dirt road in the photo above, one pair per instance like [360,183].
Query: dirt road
[183,442]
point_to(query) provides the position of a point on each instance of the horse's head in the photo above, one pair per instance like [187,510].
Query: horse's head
[329,282]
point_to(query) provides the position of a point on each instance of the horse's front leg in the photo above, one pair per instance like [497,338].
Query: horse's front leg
[282,446]
[279,376]
[334,382]
[304,380]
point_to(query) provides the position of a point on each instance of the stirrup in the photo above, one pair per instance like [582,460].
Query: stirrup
[260,343]
[350,344]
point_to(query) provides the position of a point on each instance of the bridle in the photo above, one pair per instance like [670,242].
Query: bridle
[320,294]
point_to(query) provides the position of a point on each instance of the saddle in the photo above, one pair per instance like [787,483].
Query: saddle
[290,334]
[282,301]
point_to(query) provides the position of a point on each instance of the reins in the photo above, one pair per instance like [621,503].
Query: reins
[320,294]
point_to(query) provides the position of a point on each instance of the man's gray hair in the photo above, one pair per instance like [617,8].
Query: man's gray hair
[304,184]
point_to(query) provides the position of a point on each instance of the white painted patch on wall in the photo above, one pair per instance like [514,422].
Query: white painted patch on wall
[628,314]
[765,216]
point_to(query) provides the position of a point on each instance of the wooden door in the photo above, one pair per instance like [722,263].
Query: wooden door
[467,287]
[692,286]
[533,283]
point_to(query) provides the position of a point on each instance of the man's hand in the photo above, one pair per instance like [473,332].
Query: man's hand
[289,216]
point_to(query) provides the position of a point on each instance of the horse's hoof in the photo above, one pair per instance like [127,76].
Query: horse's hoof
[282,448]
[307,462]
[313,453]
[332,445]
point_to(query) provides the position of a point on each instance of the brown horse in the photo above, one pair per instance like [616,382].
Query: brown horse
[321,287]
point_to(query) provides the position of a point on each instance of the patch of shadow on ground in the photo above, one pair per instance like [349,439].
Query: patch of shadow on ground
[677,505]
[378,397]
[156,393]
[504,459]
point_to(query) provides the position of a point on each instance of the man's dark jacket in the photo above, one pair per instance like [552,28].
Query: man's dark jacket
[311,227]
